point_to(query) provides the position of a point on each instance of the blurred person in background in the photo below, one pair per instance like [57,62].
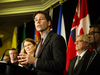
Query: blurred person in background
[6,58]
[93,67]
[13,53]
[29,48]
[78,64]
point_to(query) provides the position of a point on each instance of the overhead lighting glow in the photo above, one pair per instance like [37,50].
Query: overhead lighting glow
[5,1]
[1,35]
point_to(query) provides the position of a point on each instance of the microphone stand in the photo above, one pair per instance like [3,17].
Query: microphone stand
[3,54]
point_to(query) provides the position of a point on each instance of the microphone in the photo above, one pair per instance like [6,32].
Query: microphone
[3,54]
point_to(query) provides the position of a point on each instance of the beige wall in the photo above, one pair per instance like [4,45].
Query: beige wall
[6,45]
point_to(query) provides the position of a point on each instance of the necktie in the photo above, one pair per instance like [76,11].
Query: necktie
[40,45]
[91,58]
[78,59]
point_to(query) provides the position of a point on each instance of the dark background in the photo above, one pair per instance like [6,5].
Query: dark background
[69,8]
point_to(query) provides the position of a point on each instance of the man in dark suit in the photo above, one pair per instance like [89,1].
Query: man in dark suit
[78,64]
[93,67]
[51,58]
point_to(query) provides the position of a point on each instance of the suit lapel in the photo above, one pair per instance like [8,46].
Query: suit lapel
[36,49]
[72,64]
[45,42]
[80,62]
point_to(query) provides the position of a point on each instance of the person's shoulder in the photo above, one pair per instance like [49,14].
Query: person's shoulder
[55,34]
[88,52]
[98,53]
[73,59]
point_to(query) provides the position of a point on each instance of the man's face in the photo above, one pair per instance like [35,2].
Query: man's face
[80,44]
[94,36]
[13,54]
[6,58]
[41,23]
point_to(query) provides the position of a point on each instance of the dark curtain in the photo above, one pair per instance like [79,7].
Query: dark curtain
[94,11]
[30,29]
[0,42]
[20,31]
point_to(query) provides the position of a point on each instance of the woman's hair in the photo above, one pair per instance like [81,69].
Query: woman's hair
[30,40]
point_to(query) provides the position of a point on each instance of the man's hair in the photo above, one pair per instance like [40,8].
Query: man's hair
[7,55]
[43,12]
[13,49]
[96,25]
[84,37]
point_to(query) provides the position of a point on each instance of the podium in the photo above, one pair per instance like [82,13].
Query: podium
[11,69]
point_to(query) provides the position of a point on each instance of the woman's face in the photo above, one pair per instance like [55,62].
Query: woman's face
[29,47]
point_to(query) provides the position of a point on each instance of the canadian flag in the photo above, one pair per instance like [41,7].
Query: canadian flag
[80,25]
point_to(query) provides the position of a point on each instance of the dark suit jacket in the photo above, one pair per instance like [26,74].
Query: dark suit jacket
[15,63]
[94,68]
[80,68]
[52,56]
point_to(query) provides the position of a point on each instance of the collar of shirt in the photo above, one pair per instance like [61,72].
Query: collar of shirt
[45,35]
[14,61]
[82,54]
